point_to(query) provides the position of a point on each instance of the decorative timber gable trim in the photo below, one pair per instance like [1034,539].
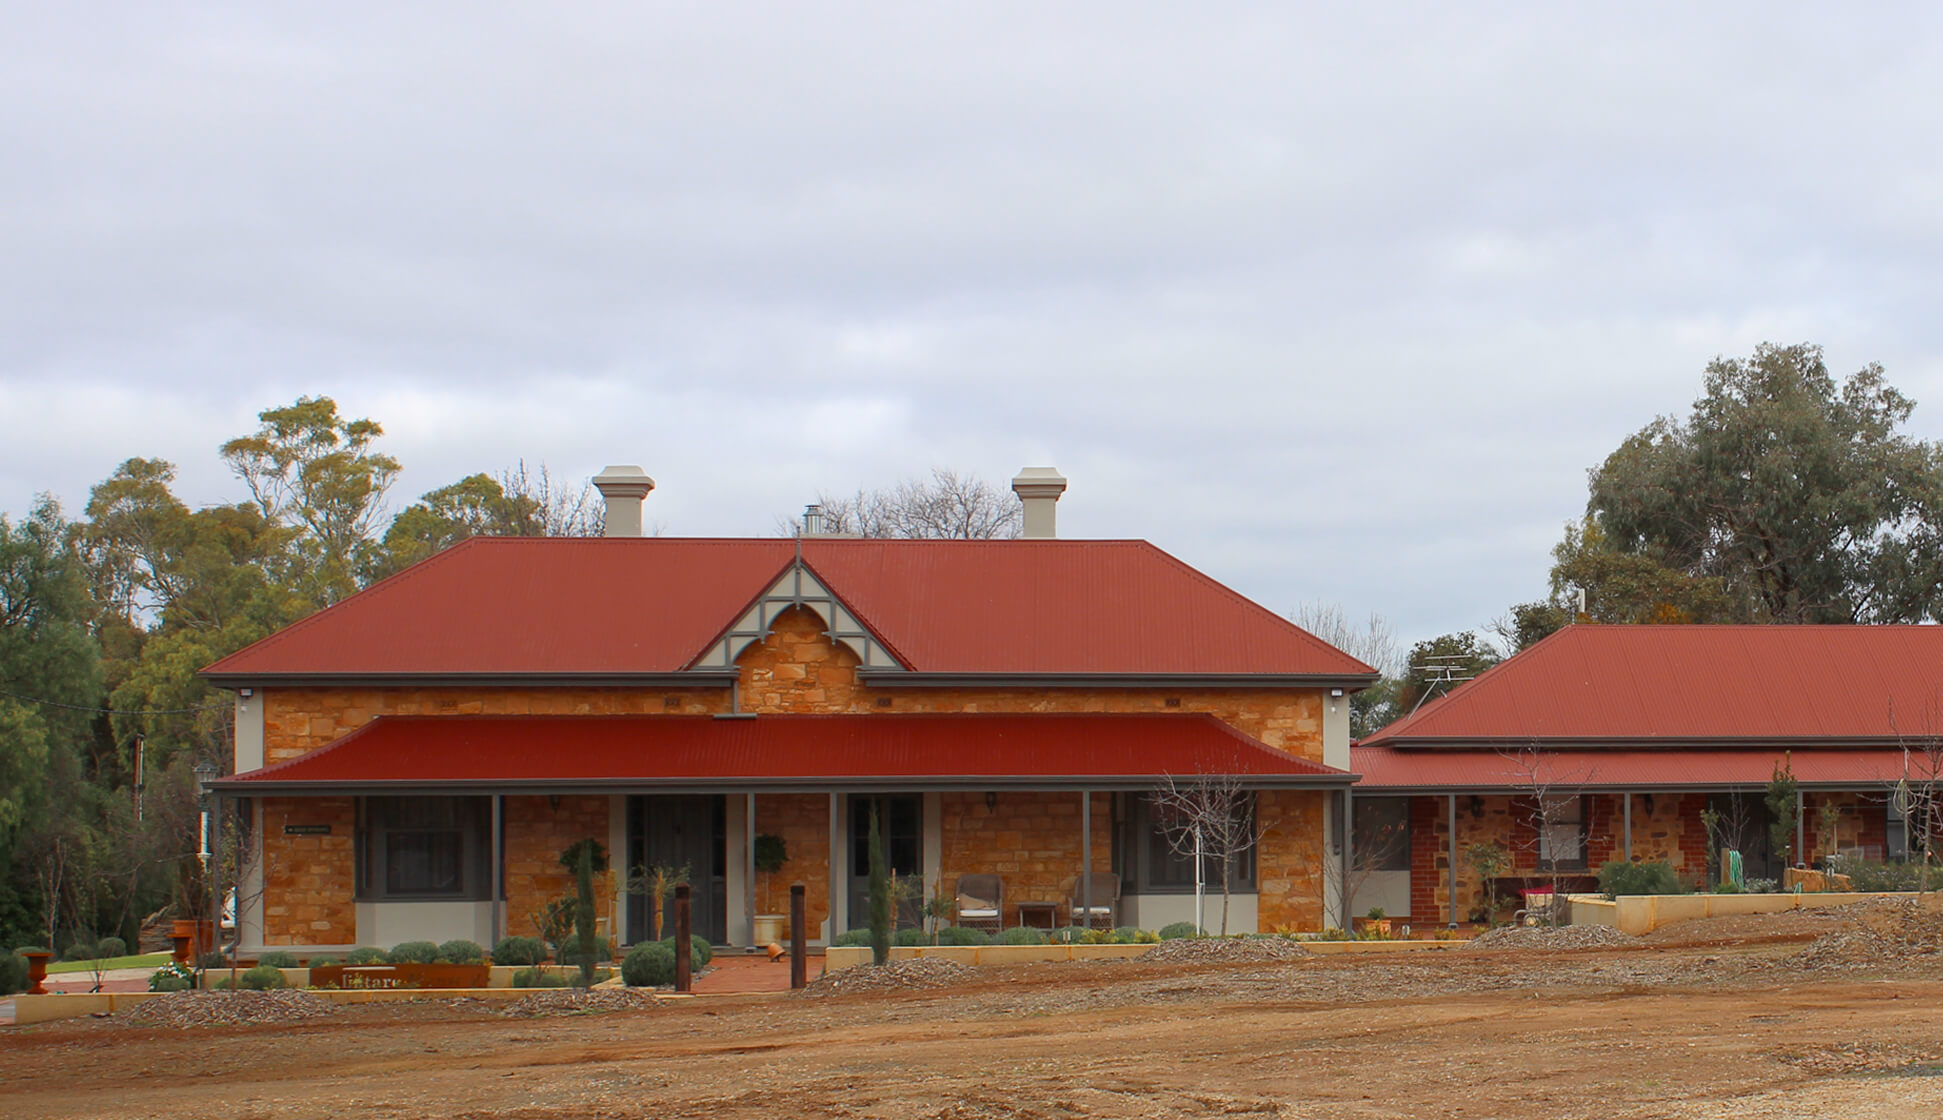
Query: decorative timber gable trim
[798,587]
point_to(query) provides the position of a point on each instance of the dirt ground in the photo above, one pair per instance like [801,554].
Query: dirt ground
[1735,1018]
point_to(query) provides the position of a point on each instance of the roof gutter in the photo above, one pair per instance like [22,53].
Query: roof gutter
[1103,783]
[692,679]
[898,678]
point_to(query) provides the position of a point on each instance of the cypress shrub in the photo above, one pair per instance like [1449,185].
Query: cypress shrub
[262,978]
[413,952]
[462,951]
[880,893]
[519,950]
[963,935]
[650,964]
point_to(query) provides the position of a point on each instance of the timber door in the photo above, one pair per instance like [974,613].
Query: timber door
[679,831]
[900,818]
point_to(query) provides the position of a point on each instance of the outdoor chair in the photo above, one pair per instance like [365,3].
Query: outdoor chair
[1100,904]
[981,902]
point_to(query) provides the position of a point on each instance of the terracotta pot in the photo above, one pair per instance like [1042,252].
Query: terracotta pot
[37,972]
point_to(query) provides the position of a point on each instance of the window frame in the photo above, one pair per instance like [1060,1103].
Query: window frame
[1143,849]
[384,822]
[1581,806]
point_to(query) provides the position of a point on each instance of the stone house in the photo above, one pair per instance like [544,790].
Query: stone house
[411,762]
[1630,733]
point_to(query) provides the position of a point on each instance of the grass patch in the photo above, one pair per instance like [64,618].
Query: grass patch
[145,960]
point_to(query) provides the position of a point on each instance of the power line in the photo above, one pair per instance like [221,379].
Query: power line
[116,711]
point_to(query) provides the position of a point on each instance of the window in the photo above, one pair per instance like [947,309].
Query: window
[1382,836]
[1561,833]
[1152,866]
[424,848]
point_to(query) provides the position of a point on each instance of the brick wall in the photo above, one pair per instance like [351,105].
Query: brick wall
[1291,859]
[309,882]
[536,833]
[803,821]
[297,721]
[798,670]
[1030,839]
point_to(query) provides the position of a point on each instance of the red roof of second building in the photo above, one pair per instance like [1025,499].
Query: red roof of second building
[647,606]
[1680,684]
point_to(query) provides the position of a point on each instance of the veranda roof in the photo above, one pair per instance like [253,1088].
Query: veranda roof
[1388,770]
[895,751]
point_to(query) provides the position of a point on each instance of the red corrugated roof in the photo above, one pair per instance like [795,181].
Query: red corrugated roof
[1386,768]
[512,606]
[527,751]
[1046,606]
[1671,684]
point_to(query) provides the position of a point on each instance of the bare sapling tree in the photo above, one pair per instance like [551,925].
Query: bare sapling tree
[1917,798]
[560,509]
[1555,808]
[947,506]
[1207,819]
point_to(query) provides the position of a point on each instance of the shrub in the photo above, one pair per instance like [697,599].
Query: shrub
[650,964]
[538,978]
[963,935]
[1127,935]
[603,952]
[262,978]
[519,950]
[1872,875]
[80,951]
[277,958]
[1650,877]
[462,952]
[1174,931]
[699,951]
[853,938]
[911,935]
[1071,935]
[413,952]
[171,978]
[365,954]
[13,973]
[323,960]
[112,947]
[1762,886]
[1022,935]
[212,960]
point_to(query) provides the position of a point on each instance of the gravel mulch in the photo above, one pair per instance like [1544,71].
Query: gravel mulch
[178,1010]
[921,974]
[573,1001]
[1189,950]
[1553,937]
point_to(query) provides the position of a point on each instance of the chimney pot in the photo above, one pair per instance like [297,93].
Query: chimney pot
[623,488]
[1039,489]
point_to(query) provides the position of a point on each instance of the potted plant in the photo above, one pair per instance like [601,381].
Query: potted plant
[768,857]
[1376,923]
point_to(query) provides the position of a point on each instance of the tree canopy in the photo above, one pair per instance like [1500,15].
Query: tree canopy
[1798,495]
[104,623]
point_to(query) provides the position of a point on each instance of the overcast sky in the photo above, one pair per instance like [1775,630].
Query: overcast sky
[1334,305]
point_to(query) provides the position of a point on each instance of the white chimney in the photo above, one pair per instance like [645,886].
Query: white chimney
[1039,489]
[623,489]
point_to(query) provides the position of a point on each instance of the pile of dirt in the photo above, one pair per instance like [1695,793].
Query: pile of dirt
[921,974]
[179,1010]
[574,1001]
[1194,950]
[1553,937]
[1883,931]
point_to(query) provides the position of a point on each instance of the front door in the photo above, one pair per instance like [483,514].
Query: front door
[1746,826]
[676,831]
[900,819]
